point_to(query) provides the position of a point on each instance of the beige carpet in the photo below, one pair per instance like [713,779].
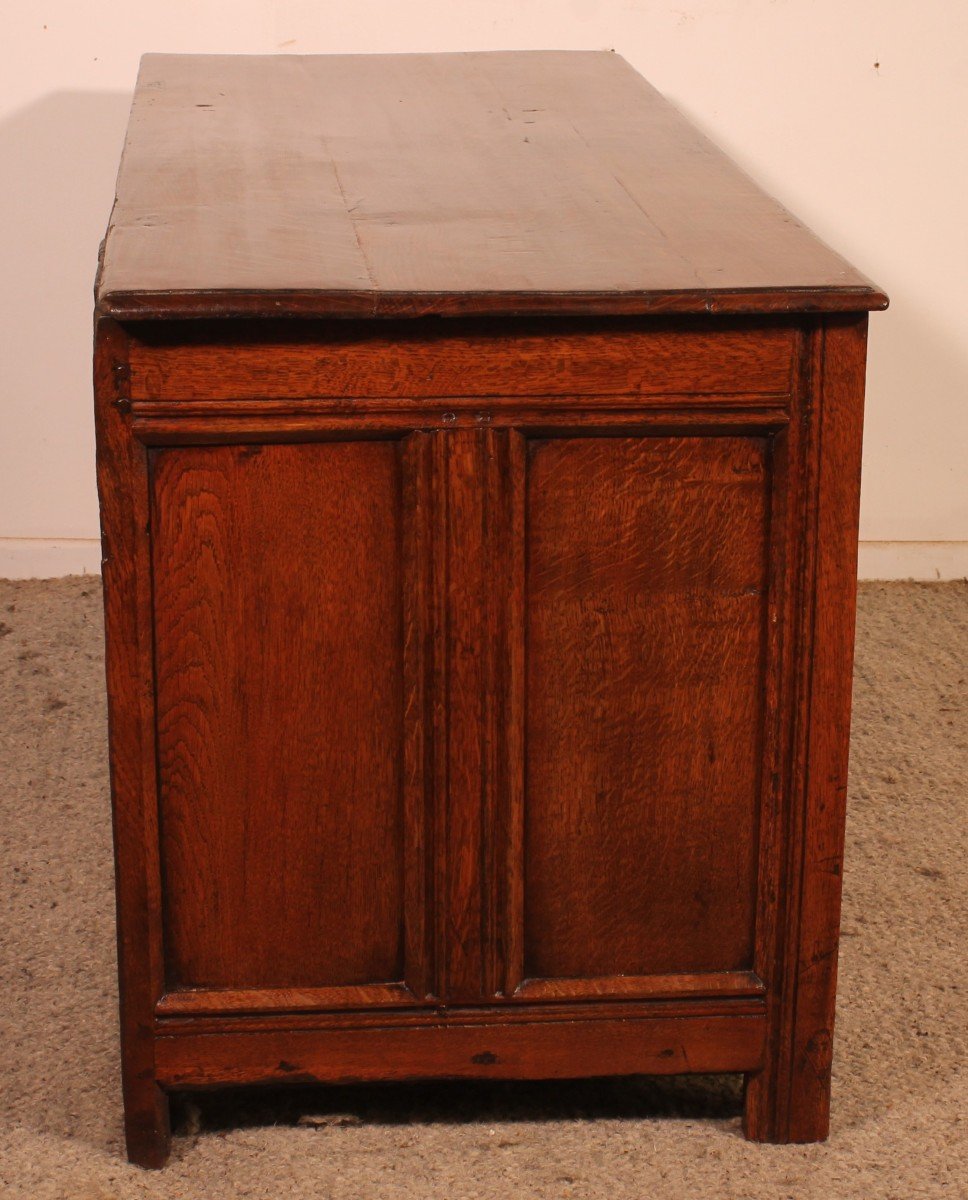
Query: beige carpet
[900,1096]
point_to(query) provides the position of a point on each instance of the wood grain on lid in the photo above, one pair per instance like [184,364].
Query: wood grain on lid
[389,185]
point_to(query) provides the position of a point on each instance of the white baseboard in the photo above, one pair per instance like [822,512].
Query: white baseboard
[913,560]
[47,558]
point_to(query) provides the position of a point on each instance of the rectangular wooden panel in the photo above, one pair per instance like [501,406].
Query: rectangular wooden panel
[278,614]
[646,579]
[454,1050]
[346,359]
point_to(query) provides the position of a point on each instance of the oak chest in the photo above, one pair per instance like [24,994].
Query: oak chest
[479,455]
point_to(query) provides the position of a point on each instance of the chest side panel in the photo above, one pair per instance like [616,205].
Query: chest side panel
[645,580]
[277,618]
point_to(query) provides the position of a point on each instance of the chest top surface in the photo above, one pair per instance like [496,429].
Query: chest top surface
[389,185]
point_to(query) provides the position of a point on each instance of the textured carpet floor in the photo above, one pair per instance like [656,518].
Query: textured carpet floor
[900,1088]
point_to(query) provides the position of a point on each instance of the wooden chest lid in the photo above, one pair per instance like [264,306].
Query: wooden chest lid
[416,184]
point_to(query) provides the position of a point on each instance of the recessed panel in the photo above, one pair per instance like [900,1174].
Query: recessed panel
[277,595]
[646,580]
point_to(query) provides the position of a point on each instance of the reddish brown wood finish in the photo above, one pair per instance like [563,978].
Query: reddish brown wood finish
[790,1100]
[478,689]
[419,184]
[645,620]
[123,492]
[278,605]
[211,361]
[518,1050]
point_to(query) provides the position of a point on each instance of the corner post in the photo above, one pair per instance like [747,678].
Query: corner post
[789,1100]
[122,491]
